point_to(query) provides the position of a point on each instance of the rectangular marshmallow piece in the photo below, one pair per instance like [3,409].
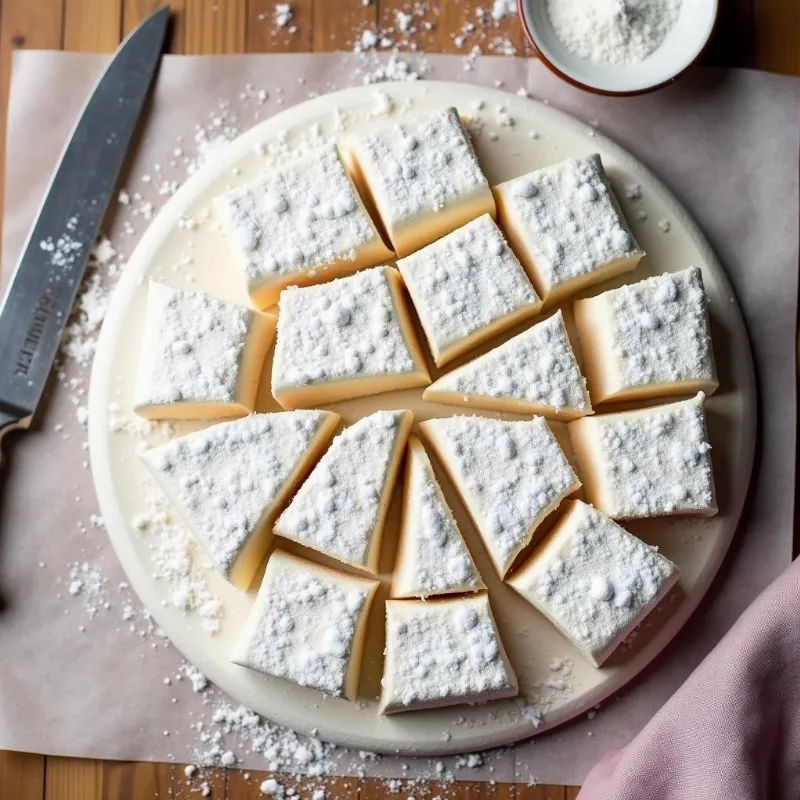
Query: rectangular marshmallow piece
[347,338]
[467,287]
[201,357]
[648,339]
[422,176]
[647,463]
[229,481]
[535,372]
[566,226]
[432,557]
[443,652]
[302,224]
[341,508]
[307,626]
[593,580]
[510,475]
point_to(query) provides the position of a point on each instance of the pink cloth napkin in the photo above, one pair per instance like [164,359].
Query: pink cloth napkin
[732,730]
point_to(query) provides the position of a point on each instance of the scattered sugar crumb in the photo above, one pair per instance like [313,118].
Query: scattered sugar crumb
[272,788]
[225,733]
[283,14]
[633,191]
[502,9]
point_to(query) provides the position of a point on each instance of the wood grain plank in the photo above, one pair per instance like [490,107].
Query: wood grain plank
[427,27]
[134,11]
[733,42]
[376,789]
[443,26]
[92,26]
[215,26]
[129,780]
[486,791]
[337,25]
[761,33]
[214,779]
[341,788]
[21,776]
[543,792]
[25,24]
[73,779]
[777,36]
[458,27]
[264,35]
[245,785]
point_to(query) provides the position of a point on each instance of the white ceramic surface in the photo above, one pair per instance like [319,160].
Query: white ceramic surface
[696,545]
[681,47]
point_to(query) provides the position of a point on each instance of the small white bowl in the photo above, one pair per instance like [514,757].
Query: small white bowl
[683,45]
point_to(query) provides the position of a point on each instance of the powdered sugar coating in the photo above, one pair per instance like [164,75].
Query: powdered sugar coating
[570,220]
[652,462]
[296,219]
[465,282]
[420,166]
[442,557]
[225,479]
[610,32]
[660,330]
[510,475]
[443,652]
[535,367]
[304,624]
[193,349]
[432,556]
[593,579]
[341,330]
[339,510]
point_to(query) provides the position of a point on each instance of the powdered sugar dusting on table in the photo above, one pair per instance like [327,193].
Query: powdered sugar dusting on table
[231,717]
[221,728]
[87,582]
[177,561]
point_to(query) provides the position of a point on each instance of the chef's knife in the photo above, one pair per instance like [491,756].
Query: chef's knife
[46,279]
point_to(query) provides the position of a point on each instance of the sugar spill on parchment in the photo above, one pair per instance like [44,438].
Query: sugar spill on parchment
[222,734]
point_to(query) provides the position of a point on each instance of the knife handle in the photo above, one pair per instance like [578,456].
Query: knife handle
[11,422]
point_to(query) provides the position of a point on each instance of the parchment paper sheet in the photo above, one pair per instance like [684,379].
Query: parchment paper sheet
[726,141]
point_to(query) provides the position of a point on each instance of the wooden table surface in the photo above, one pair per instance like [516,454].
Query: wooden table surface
[764,34]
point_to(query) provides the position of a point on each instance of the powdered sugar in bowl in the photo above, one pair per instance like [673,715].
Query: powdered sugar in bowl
[619,47]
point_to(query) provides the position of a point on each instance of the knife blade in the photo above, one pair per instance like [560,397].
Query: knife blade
[45,281]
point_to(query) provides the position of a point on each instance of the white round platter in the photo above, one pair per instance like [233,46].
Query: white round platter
[696,545]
